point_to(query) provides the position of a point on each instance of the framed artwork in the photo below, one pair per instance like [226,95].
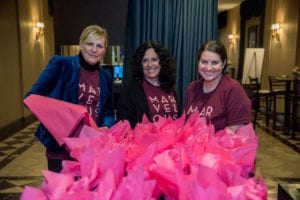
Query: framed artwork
[252,36]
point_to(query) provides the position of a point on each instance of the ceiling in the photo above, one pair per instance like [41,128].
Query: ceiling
[224,5]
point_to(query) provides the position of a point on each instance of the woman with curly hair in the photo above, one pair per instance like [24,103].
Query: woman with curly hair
[151,91]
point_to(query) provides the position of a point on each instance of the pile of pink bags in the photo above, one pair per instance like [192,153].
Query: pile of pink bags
[175,159]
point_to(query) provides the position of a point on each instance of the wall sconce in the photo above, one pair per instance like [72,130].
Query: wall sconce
[230,39]
[40,30]
[275,31]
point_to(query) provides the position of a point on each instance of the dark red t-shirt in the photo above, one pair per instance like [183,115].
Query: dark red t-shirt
[160,103]
[227,105]
[89,91]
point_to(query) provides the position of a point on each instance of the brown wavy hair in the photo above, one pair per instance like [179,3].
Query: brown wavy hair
[167,74]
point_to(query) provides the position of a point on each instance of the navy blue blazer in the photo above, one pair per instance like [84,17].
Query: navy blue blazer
[60,80]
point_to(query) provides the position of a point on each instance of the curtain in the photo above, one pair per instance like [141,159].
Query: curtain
[182,26]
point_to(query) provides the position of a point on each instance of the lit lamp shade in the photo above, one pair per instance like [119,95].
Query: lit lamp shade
[40,30]
[275,31]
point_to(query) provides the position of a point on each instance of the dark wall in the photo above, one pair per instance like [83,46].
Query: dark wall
[72,16]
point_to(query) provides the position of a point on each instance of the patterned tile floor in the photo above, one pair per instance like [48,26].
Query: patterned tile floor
[22,159]
[280,135]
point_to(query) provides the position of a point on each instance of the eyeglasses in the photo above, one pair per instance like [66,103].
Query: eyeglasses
[214,63]
[152,60]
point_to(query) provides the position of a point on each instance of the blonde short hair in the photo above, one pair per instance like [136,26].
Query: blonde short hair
[93,32]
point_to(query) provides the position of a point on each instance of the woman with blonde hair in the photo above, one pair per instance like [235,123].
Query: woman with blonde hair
[80,80]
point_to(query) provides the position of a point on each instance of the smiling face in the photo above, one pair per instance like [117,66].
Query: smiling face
[210,66]
[93,50]
[151,66]
[93,43]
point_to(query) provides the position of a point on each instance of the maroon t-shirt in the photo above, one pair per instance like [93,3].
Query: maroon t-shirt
[89,91]
[160,103]
[227,105]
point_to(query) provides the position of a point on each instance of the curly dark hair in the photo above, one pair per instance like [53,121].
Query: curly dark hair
[167,75]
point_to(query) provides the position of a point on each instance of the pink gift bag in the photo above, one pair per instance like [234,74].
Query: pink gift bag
[62,119]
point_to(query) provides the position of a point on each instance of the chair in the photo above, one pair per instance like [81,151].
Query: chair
[295,101]
[259,97]
[278,86]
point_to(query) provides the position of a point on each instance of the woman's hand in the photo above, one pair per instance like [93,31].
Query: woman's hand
[235,127]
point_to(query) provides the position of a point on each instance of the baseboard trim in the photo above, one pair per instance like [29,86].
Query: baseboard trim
[16,126]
